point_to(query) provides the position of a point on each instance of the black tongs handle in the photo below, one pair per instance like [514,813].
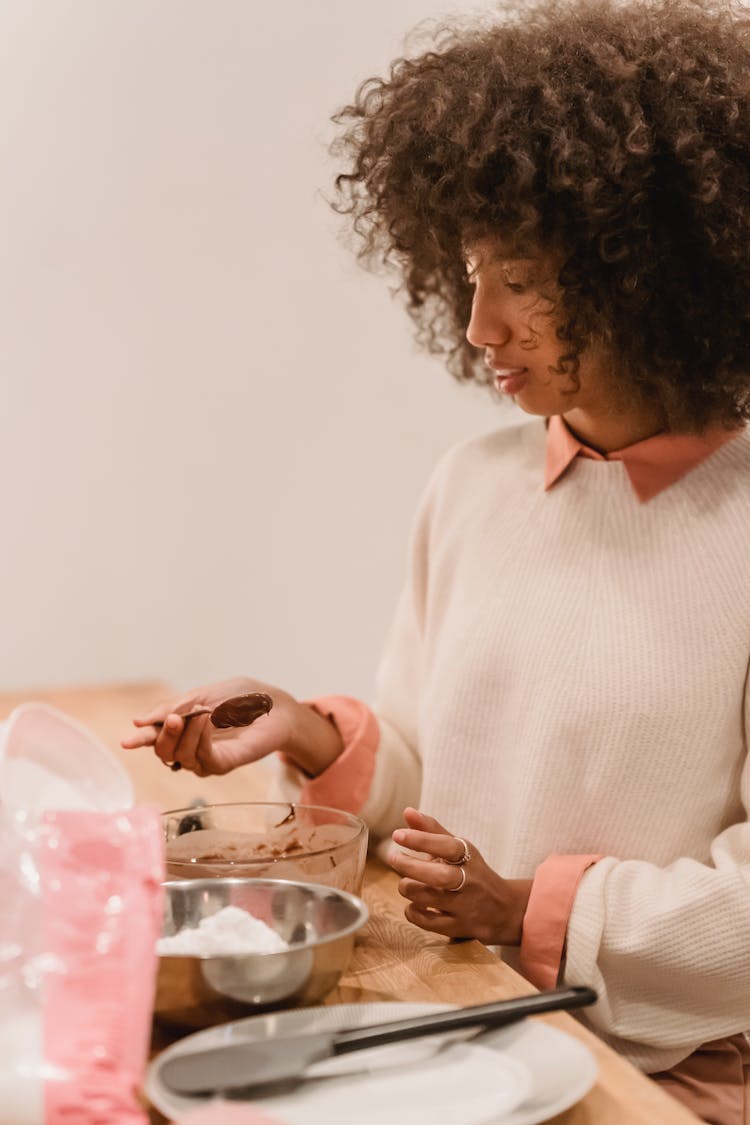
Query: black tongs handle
[488,1015]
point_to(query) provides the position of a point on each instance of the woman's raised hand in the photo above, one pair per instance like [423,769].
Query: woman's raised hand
[310,741]
[453,891]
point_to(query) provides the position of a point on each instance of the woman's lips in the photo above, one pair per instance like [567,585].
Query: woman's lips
[509,380]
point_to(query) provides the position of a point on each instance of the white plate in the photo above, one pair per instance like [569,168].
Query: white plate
[521,1074]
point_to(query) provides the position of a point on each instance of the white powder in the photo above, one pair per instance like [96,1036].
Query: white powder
[31,785]
[229,932]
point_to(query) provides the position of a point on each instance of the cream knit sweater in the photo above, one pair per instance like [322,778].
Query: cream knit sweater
[567,672]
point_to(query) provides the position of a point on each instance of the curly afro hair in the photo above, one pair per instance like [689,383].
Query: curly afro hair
[610,135]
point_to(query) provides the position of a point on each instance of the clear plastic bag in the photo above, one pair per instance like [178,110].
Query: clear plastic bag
[80,914]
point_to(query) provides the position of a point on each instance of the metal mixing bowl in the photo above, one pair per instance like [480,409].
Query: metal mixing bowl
[318,923]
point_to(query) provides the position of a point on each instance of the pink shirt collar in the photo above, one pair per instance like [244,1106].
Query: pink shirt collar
[652,465]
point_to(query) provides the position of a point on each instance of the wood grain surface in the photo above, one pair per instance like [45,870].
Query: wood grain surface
[392,960]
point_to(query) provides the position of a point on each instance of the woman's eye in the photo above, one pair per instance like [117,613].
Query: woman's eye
[513,282]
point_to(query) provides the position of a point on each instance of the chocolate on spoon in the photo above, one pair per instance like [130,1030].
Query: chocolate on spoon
[237,711]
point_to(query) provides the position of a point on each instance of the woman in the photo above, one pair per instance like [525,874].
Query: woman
[565,685]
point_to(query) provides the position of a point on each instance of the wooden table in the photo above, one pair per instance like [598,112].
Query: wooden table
[393,960]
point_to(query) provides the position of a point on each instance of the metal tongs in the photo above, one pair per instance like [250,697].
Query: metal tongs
[253,1065]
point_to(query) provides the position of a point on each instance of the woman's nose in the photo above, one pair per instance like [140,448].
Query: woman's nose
[487,325]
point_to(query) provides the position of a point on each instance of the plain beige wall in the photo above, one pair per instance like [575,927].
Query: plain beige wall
[215,426]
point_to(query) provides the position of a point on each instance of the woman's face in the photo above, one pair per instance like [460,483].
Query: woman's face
[513,319]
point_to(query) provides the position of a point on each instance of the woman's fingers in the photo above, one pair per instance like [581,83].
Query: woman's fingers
[435,921]
[451,890]
[448,848]
[439,876]
[146,736]
[425,896]
[168,737]
[207,760]
[430,884]
[186,749]
[150,719]
[427,835]
[150,726]
[419,820]
[159,713]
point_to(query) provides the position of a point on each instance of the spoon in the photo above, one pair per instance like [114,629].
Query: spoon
[237,711]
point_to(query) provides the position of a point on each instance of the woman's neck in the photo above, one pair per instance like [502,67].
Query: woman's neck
[606,432]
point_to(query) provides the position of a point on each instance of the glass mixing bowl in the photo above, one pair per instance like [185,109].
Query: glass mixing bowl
[266,840]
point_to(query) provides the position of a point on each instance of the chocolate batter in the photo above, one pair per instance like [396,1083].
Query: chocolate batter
[237,711]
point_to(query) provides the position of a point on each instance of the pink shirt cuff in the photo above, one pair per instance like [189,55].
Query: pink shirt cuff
[346,783]
[545,923]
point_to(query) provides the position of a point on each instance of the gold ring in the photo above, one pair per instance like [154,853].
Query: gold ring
[464,858]
[460,887]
